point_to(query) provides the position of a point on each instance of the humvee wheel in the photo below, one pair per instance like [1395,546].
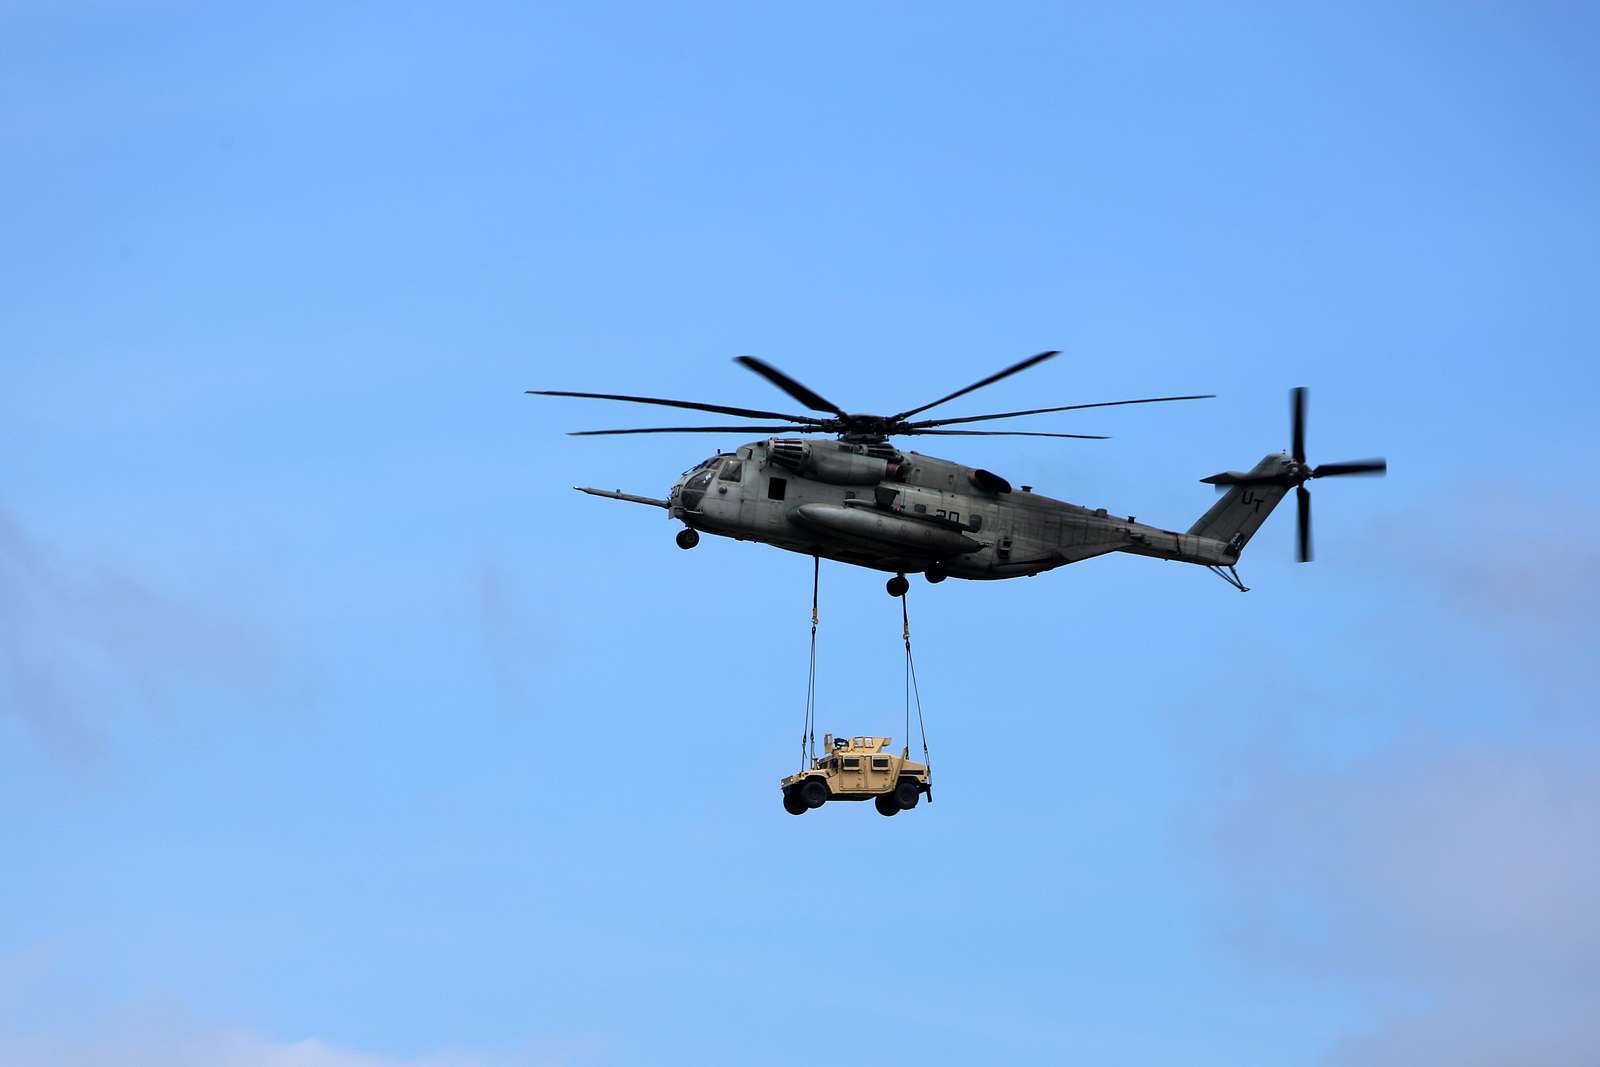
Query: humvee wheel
[886,804]
[906,794]
[897,585]
[813,792]
[793,804]
[688,538]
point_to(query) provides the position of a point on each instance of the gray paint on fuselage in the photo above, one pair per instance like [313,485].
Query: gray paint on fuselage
[1019,533]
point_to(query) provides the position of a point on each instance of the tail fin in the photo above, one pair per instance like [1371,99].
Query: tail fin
[1239,514]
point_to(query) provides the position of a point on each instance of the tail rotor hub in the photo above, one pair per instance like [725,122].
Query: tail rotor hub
[1294,471]
[1300,471]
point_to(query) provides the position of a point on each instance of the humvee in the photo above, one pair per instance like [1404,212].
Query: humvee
[857,768]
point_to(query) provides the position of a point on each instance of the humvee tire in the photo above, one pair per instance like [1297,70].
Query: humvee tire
[886,804]
[906,794]
[793,804]
[813,792]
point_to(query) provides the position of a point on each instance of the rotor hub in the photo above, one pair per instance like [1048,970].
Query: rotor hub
[857,428]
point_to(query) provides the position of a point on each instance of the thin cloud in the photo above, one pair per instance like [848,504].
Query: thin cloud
[512,649]
[1533,584]
[72,647]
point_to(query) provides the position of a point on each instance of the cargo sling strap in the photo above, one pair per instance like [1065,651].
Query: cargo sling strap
[808,733]
[913,693]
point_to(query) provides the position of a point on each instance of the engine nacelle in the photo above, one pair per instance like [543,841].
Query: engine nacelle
[837,463]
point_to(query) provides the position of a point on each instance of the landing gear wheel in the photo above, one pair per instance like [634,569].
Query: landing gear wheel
[906,794]
[897,585]
[886,804]
[934,575]
[793,804]
[813,792]
[687,538]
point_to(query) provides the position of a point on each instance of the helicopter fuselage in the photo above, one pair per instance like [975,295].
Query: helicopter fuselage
[869,504]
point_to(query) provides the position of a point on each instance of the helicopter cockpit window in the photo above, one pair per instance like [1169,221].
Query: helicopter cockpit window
[732,471]
[694,490]
[703,464]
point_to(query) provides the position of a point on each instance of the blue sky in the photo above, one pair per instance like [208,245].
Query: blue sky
[336,730]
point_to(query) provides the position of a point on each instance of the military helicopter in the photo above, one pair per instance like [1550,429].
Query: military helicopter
[860,500]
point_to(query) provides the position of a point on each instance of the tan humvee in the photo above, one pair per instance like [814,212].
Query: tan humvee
[857,769]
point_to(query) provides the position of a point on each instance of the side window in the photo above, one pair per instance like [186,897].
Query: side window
[920,509]
[975,522]
[732,471]
[955,516]
[777,488]
[852,763]
[880,763]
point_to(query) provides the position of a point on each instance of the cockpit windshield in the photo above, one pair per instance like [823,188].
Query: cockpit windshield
[703,464]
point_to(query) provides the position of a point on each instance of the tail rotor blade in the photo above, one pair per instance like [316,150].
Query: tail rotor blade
[1302,501]
[1297,423]
[1355,466]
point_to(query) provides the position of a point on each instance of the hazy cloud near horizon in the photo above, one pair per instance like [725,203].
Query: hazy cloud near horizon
[225,1049]
[1468,880]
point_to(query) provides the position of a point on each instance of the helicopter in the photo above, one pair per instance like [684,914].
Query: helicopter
[860,500]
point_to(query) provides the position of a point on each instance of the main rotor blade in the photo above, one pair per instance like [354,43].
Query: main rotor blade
[1008,433]
[697,429]
[1014,368]
[1297,423]
[1355,466]
[1302,501]
[789,385]
[719,409]
[1064,407]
